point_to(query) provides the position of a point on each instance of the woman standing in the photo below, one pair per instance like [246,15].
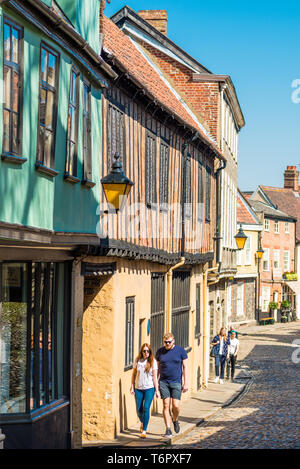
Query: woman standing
[144,385]
[220,343]
[233,350]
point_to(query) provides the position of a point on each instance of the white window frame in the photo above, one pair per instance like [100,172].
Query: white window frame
[248,247]
[276,226]
[266,258]
[276,258]
[239,260]
[266,224]
[286,227]
[266,295]
[286,261]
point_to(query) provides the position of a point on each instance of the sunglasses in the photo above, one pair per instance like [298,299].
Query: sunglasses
[146,351]
[168,341]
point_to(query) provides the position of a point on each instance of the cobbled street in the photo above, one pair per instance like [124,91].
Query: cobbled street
[268,413]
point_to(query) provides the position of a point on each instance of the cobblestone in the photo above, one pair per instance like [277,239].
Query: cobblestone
[268,414]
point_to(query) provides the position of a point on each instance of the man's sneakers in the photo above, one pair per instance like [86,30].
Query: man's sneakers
[168,433]
[221,381]
[216,380]
[176,426]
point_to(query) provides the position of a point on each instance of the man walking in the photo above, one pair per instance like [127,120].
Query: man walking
[173,379]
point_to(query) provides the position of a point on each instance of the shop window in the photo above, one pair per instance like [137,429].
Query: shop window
[33,333]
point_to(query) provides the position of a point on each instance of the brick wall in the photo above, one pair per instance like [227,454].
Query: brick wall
[203,98]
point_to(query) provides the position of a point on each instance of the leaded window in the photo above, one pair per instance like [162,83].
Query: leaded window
[188,188]
[207,194]
[115,135]
[12,87]
[151,196]
[49,70]
[163,175]
[200,208]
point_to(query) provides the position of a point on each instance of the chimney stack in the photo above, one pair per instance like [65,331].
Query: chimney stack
[157,18]
[291,178]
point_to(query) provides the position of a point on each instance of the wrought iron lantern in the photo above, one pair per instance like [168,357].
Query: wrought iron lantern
[240,238]
[116,185]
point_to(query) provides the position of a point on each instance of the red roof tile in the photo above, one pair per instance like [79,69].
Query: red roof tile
[244,212]
[128,55]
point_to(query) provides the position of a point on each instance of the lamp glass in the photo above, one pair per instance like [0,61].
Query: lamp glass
[116,194]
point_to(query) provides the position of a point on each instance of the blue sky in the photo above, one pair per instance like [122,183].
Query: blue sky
[257,44]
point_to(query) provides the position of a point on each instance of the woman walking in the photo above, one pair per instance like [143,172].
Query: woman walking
[220,343]
[144,385]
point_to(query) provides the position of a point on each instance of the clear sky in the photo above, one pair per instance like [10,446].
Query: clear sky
[257,43]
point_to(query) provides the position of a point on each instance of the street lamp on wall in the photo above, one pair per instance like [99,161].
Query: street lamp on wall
[240,238]
[259,253]
[116,185]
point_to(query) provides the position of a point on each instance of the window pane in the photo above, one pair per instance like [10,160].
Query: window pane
[15,45]
[47,149]
[7,86]
[43,97]
[44,65]
[51,69]
[15,92]
[13,330]
[49,110]
[15,132]
[6,42]
[6,127]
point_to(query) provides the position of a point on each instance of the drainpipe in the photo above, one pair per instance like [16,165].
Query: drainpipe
[169,286]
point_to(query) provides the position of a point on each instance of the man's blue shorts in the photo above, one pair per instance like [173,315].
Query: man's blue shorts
[172,390]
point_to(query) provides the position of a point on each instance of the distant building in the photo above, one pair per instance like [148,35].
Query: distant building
[242,290]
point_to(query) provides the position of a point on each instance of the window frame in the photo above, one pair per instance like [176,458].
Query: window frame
[72,176]
[164,165]
[267,259]
[286,227]
[276,227]
[40,163]
[208,176]
[150,172]
[129,332]
[34,319]
[266,224]
[276,258]
[119,109]
[87,152]
[14,156]
[200,193]
[198,311]
[286,251]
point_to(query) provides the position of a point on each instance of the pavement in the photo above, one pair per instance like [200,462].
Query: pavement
[194,411]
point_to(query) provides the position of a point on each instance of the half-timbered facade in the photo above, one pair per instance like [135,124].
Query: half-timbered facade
[160,244]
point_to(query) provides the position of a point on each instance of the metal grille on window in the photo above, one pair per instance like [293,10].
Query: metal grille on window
[129,346]
[157,317]
[188,188]
[181,307]
[163,175]
[12,81]
[115,136]
[208,193]
[150,170]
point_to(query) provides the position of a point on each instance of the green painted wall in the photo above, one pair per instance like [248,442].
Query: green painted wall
[28,197]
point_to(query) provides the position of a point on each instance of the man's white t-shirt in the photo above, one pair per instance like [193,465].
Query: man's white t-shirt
[234,343]
[143,379]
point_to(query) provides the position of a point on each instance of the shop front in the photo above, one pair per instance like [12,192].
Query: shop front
[35,352]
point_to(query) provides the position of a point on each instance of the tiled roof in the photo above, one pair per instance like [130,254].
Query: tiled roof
[244,212]
[122,48]
[269,211]
[286,200]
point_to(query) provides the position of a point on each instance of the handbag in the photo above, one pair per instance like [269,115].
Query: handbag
[213,352]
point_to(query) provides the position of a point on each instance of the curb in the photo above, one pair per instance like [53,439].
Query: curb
[238,395]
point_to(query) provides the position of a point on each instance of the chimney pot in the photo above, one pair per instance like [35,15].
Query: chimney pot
[157,18]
